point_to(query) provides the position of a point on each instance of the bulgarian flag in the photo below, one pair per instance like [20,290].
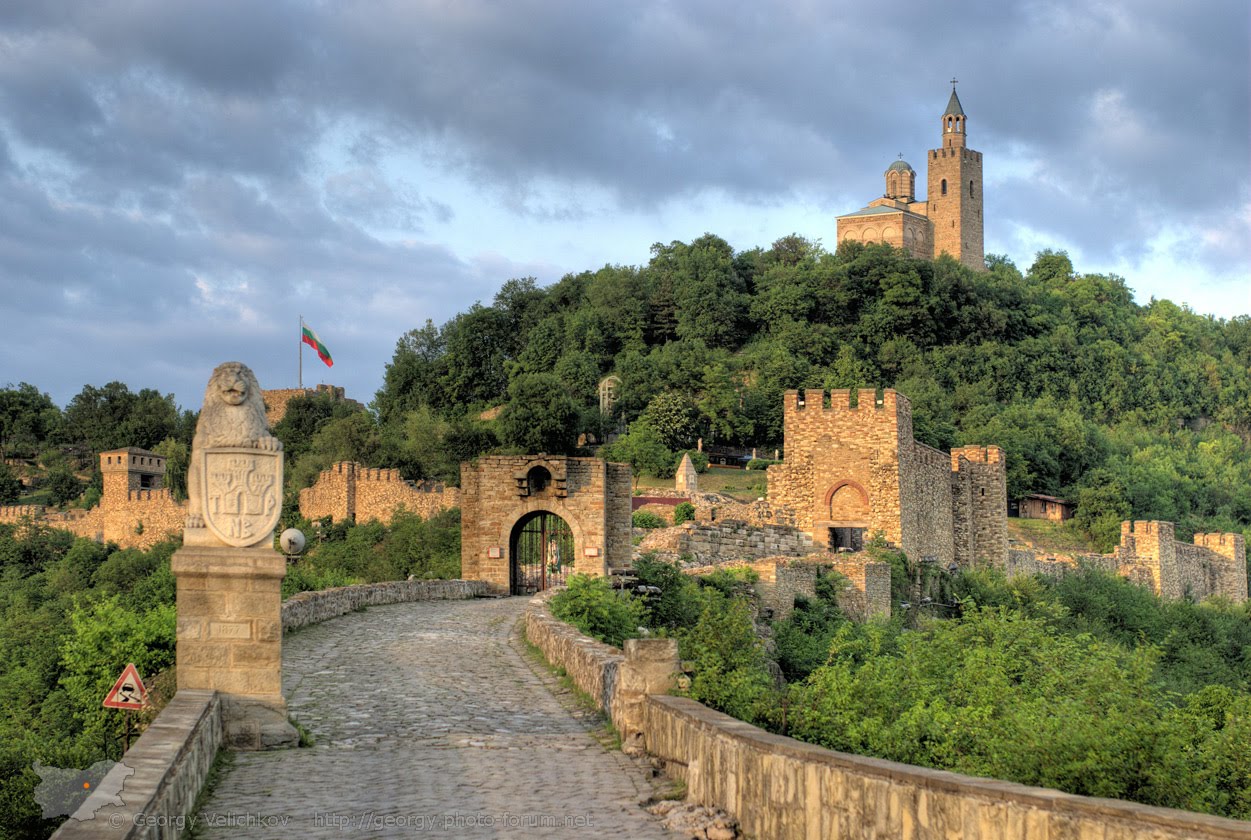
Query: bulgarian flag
[310,338]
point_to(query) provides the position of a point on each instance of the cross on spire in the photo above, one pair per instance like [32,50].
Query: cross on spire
[901,155]
[953,83]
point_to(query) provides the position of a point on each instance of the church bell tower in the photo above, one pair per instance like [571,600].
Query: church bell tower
[954,195]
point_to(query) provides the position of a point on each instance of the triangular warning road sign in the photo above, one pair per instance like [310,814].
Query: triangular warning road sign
[128,692]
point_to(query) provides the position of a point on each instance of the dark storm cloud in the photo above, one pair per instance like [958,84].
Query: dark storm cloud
[163,161]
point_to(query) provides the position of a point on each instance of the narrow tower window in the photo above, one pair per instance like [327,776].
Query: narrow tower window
[970,189]
[943,187]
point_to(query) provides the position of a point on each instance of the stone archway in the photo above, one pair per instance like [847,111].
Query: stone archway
[502,495]
[847,515]
[541,553]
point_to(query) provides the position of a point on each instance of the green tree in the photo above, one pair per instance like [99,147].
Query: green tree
[63,486]
[672,416]
[539,415]
[177,458]
[643,450]
[10,487]
[28,420]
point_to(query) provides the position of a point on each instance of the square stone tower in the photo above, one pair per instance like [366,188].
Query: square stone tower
[954,191]
[132,468]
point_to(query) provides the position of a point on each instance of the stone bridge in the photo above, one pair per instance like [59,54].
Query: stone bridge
[431,717]
[434,717]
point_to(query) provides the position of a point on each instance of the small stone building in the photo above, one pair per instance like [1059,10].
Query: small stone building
[853,469]
[528,521]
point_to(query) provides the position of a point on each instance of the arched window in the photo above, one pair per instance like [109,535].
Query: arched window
[943,187]
[949,122]
[538,478]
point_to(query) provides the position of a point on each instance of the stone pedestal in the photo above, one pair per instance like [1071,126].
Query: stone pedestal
[230,638]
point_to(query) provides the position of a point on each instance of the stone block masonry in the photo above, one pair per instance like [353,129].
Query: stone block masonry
[1149,554]
[710,542]
[349,491]
[500,492]
[135,510]
[852,469]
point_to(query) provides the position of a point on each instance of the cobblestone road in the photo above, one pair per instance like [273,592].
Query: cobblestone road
[430,721]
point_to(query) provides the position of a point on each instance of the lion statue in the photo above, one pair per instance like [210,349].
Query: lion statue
[233,415]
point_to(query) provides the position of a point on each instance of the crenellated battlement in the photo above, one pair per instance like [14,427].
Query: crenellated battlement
[348,491]
[1213,565]
[976,455]
[956,154]
[159,495]
[16,513]
[841,399]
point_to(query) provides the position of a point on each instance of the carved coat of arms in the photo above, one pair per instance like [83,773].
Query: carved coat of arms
[242,492]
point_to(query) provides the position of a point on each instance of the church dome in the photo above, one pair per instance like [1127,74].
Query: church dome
[899,166]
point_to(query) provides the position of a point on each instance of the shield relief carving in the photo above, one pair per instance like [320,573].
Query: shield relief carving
[242,492]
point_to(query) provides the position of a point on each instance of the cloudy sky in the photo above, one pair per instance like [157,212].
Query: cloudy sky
[179,181]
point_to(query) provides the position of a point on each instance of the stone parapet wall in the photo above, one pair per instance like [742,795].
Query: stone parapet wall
[305,608]
[618,682]
[16,513]
[143,519]
[138,519]
[780,788]
[171,761]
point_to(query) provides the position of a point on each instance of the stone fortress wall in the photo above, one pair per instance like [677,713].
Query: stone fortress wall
[349,491]
[1149,554]
[135,510]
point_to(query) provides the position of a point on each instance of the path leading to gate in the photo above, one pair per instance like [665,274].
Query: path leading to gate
[429,719]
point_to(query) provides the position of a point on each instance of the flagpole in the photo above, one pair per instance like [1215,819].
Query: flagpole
[301,367]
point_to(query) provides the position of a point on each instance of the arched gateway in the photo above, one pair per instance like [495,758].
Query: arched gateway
[529,521]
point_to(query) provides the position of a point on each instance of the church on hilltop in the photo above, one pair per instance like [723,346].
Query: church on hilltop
[949,220]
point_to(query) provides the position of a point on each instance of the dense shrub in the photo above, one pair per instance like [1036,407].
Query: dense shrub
[647,519]
[678,606]
[731,671]
[683,512]
[595,608]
